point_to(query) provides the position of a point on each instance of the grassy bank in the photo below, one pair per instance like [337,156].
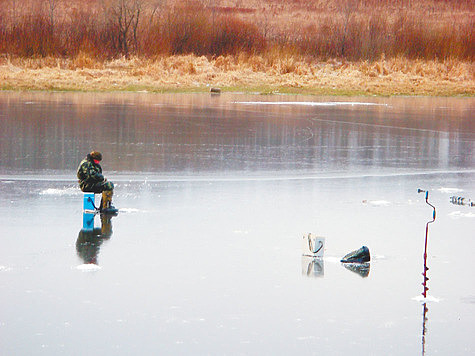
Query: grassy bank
[251,73]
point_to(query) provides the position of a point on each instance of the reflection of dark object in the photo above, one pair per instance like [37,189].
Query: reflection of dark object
[90,239]
[359,256]
[424,327]
[461,201]
[360,268]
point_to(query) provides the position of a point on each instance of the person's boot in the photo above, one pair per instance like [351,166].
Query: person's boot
[106,203]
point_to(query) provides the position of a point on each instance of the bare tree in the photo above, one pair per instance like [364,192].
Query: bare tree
[125,15]
[349,9]
[52,5]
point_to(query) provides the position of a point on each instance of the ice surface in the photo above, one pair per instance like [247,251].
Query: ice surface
[214,198]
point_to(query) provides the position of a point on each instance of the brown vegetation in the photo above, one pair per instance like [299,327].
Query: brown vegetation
[265,74]
[274,40]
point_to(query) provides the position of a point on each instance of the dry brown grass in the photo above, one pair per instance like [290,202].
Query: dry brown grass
[397,76]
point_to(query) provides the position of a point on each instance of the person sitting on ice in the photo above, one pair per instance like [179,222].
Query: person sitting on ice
[91,180]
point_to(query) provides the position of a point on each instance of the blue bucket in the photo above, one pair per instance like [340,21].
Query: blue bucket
[89,202]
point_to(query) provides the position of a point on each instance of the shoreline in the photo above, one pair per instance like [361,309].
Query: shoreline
[254,74]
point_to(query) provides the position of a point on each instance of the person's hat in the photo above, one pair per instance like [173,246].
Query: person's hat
[96,155]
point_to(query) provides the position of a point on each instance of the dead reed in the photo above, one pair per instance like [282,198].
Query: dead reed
[345,29]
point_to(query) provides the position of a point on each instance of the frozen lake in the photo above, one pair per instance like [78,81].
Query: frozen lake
[215,195]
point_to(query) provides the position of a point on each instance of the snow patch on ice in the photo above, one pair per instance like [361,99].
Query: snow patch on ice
[61,192]
[130,210]
[459,214]
[377,202]
[89,267]
[429,298]
[450,190]
[4,268]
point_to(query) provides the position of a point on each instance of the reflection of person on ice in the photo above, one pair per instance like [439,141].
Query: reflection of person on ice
[89,242]
[91,180]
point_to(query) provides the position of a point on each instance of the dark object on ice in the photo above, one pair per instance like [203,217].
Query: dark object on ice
[359,256]
[359,268]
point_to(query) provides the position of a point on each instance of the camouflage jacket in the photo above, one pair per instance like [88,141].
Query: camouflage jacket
[89,174]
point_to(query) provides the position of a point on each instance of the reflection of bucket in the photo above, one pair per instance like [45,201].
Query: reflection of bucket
[313,267]
[89,202]
[87,221]
[313,245]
